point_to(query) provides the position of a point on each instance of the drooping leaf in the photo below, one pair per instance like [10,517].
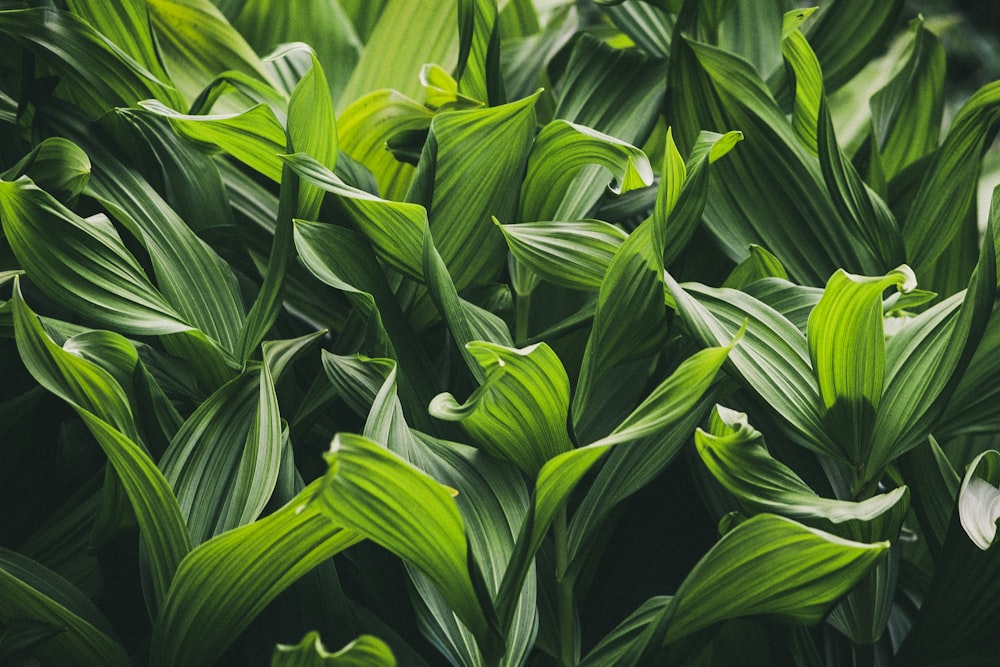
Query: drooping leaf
[32,592]
[519,413]
[365,651]
[236,574]
[57,166]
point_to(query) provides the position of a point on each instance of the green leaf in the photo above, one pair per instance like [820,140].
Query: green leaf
[409,514]
[478,70]
[471,165]
[948,190]
[767,565]
[759,265]
[735,454]
[101,403]
[196,44]
[557,479]
[369,122]
[32,592]
[365,651]
[906,113]
[82,264]
[560,151]
[95,74]
[388,62]
[226,582]
[235,433]
[847,350]
[808,77]
[126,25]
[255,137]
[519,413]
[312,129]
[571,254]
[57,166]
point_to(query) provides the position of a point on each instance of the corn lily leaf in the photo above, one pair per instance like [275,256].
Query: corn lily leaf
[760,265]
[946,337]
[492,500]
[96,74]
[469,170]
[972,407]
[411,515]
[196,43]
[82,264]
[478,69]
[906,113]
[255,136]
[31,591]
[650,26]
[236,574]
[236,433]
[369,122]
[560,151]
[847,349]
[806,571]
[324,25]
[519,413]
[389,63]
[365,651]
[57,166]
[571,254]
[103,406]
[557,479]
[947,192]
[935,485]
[772,359]
[962,603]
[126,26]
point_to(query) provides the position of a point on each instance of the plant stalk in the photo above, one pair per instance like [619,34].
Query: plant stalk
[522,308]
[568,640]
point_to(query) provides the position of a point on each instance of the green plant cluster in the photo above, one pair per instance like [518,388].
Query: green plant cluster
[477,333]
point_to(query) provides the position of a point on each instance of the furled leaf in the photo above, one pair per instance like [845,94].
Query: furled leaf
[478,69]
[847,350]
[57,166]
[125,24]
[409,514]
[572,254]
[101,403]
[32,592]
[365,651]
[227,581]
[560,151]
[519,413]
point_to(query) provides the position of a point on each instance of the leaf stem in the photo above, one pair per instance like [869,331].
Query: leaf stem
[522,308]
[568,640]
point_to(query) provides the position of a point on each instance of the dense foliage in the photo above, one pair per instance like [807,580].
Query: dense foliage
[442,332]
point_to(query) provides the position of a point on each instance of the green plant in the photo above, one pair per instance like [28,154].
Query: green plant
[479,369]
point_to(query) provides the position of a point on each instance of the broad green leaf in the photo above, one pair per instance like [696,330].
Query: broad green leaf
[847,350]
[82,263]
[126,25]
[962,604]
[808,77]
[735,453]
[557,479]
[312,129]
[255,137]
[395,229]
[519,413]
[365,651]
[409,514]
[759,265]
[772,358]
[478,69]
[906,113]
[103,407]
[650,26]
[470,170]
[388,62]
[767,565]
[927,357]
[196,44]
[972,407]
[868,24]
[32,592]
[948,190]
[57,166]
[325,25]
[571,254]
[560,151]
[615,646]
[95,74]
[934,484]
[223,584]
[369,122]
[235,433]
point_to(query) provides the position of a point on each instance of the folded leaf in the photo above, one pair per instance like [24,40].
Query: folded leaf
[365,651]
